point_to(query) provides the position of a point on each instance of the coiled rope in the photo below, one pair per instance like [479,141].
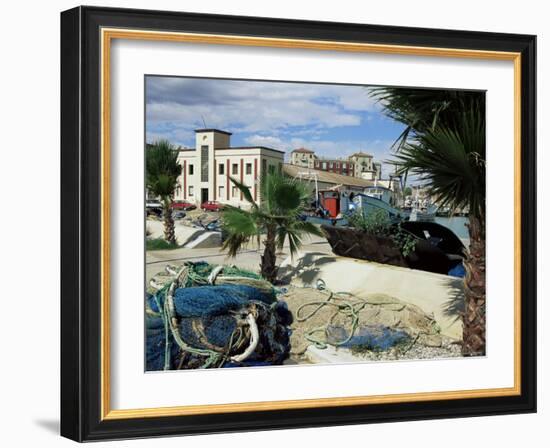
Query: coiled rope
[345,304]
[167,312]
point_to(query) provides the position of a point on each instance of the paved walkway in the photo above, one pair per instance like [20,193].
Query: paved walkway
[157,260]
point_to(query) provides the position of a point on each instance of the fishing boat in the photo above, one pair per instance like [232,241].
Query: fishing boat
[437,249]
[422,210]
[333,207]
[425,214]
[370,203]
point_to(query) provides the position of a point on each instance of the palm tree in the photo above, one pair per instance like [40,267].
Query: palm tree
[444,144]
[275,219]
[422,109]
[161,174]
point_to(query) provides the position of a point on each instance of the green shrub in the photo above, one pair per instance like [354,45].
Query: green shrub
[159,244]
[378,223]
[375,223]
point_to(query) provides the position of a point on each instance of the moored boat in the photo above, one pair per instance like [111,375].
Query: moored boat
[437,249]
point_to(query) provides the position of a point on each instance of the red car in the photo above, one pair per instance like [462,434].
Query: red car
[183,205]
[211,206]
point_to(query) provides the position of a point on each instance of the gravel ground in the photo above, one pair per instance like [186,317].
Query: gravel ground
[448,349]
[428,345]
[381,310]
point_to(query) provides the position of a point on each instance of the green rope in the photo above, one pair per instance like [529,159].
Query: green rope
[349,308]
[197,274]
[167,343]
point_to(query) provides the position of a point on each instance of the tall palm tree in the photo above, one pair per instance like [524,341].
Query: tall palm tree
[444,145]
[161,174]
[275,219]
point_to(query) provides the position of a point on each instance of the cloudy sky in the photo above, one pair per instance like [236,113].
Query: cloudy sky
[332,120]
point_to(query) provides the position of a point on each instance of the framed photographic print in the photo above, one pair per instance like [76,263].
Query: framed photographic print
[274,223]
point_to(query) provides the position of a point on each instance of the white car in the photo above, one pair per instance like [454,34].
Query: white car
[153,204]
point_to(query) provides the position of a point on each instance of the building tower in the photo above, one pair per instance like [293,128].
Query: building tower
[206,142]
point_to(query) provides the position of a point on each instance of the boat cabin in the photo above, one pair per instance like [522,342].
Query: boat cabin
[330,201]
[379,192]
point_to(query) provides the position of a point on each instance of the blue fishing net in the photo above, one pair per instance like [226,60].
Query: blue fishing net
[205,301]
[370,337]
[208,319]
[156,344]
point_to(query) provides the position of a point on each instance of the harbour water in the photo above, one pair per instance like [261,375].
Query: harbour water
[457,224]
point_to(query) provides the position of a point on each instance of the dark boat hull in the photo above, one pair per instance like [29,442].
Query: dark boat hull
[437,248]
[349,242]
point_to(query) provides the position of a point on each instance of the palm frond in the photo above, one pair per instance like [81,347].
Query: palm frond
[162,168]
[423,109]
[443,142]
[451,161]
[237,220]
[245,190]
[241,226]
[294,243]
[234,242]
[305,227]
[294,239]
[282,195]
[294,232]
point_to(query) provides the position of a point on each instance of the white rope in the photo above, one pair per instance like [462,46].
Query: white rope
[171,271]
[156,285]
[214,274]
[254,339]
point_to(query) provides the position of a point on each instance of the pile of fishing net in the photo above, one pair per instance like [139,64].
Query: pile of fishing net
[372,322]
[204,316]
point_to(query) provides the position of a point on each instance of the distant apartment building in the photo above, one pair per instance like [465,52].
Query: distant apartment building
[207,168]
[303,157]
[365,167]
[359,165]
[337,166]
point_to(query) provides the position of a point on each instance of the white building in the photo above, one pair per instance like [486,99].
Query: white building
[360,164]
[206,169]
[365,167]
[303,157]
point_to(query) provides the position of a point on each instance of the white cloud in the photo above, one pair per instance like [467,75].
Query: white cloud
[357,99]
[269,141]
[259,107]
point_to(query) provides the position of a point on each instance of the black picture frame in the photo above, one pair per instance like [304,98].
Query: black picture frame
[81,224]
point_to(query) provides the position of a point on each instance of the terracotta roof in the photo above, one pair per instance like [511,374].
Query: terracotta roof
[304,150]
[327,177]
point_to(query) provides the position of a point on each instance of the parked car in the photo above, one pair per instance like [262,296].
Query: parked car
[214,226]
[157,212]
[183,205]
[178,214]
[211,206]
[153,208]
[153,203]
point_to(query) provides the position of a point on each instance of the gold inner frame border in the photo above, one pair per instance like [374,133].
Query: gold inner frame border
[107,35]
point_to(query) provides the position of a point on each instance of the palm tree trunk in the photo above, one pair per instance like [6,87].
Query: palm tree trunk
[269,258]
[169,230]
[473,320]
